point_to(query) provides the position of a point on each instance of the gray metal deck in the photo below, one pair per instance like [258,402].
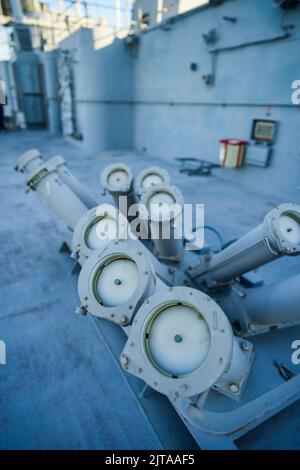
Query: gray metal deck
[62,386]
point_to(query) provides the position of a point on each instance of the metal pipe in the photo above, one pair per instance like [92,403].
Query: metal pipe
[274,304]
[43,178]
[161,102]
[74,184]
[162,208]
[236,370]
[32,160]
[117,180]
[62,199]
[247,253]
[278,235]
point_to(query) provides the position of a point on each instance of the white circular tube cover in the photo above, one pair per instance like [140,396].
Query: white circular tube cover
[114,283]
[117,178]
[96,229]
[31,158]
[162,202]
[149,178]
[180,342]
[282,227]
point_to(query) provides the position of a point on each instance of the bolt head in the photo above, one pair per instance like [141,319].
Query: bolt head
[178,338]
[124,361]
[234,388]
[80,311]
[245,346]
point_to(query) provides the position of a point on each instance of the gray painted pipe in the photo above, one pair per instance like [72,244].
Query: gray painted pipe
[75,185]
[44,179]
[62,199]
[236,368]
[30,161]
[274,304]
[278,235]
[117,180]
[166,226]
[246,254]
[166,249]
[124,201]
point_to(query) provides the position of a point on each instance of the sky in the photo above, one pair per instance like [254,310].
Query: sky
[103,8]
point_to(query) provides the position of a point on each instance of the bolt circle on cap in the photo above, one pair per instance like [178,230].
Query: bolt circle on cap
[164,194]
[282,226]
[116,178]
[149,178]
[179,340]
[96,229]
[114,282]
